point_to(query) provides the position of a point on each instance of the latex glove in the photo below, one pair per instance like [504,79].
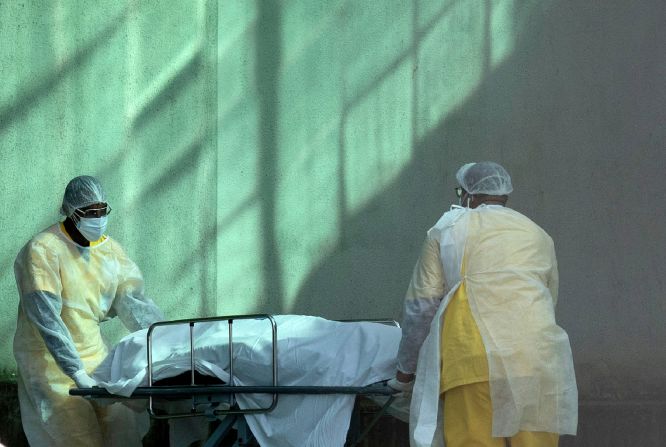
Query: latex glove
[402,389]
[83,380]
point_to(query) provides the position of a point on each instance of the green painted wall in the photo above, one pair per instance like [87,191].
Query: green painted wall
[266,156]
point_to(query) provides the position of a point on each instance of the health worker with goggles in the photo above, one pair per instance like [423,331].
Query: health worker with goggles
[481,353]
[70,278]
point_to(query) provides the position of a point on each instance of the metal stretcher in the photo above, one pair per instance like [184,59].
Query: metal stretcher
[218,401]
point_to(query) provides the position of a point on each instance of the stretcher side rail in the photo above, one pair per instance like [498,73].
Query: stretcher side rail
[231,395]
[175,391]
[230,389]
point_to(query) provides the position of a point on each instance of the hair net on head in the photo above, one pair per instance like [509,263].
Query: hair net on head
[485,177]
[80,192]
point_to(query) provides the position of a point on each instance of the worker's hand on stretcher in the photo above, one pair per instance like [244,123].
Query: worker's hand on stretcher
[83,380]
[402,384]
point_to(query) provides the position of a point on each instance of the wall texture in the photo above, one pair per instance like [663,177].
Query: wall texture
[288,157]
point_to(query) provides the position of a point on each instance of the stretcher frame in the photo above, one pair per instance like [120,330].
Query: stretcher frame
[213,395]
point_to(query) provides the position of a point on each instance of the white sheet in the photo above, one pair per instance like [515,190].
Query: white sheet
[311,351]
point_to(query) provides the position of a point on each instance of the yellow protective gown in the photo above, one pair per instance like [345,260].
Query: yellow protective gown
[511,284]
[65,292]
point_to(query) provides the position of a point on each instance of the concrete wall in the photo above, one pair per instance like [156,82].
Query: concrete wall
[289,156]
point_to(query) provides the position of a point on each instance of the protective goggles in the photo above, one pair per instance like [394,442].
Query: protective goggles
[93,212]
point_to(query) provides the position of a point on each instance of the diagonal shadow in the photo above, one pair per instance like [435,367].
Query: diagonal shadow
[183,78]
[30,98]
[410,204]
[350,263]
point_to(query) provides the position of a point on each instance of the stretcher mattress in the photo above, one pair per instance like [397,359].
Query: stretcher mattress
[310,351]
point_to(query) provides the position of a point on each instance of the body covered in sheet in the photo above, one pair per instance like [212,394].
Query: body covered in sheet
[311,351]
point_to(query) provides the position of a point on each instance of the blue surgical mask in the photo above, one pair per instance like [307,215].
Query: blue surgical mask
[92,228]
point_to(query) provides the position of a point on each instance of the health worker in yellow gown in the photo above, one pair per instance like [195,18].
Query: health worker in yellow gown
[70,278]
[481,354]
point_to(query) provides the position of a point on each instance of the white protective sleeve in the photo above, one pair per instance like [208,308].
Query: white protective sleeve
[135,310]
[43,310]
[416,321]
[422,300]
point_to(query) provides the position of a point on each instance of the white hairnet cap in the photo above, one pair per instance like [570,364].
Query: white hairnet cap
[80,192]
[485,177]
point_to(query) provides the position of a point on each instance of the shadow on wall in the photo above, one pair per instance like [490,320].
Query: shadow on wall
[567,112]
[381,242]
[268,55]
[29,98]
